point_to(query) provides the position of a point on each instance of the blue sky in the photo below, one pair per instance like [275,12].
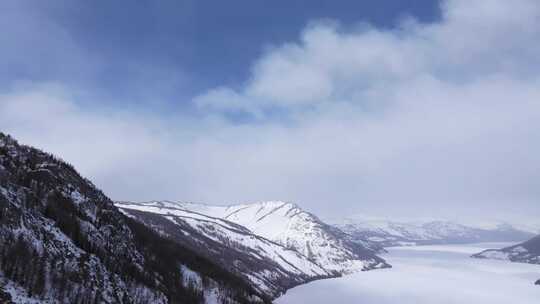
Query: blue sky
[125,51]
[383,108]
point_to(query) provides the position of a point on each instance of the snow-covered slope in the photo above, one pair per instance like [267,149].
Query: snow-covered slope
[295,229]
[270,267]
[526,252]
[390,233]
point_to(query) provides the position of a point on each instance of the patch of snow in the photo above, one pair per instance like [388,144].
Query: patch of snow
[18,294]
[495,255]
[77,197]
[190,277]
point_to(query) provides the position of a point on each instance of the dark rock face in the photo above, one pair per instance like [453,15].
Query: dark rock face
[63,240]
[537,282]
[533,245]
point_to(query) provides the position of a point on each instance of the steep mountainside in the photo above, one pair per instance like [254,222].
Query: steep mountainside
[388,233]
[295,229]
[270,267]
[63,241]
[526,252]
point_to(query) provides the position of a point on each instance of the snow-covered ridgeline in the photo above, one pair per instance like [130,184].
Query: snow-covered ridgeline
[391,233]
[286,224]
[270,266]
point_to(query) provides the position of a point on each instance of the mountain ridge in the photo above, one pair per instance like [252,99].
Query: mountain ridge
[292,227]
[271,267]
[391,233]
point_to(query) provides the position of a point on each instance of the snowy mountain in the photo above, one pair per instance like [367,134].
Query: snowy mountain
[63,241]
[270,267]
[526,252]
[289,226]
[389,233]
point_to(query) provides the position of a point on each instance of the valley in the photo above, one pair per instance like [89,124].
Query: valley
[443,274]
[66,240]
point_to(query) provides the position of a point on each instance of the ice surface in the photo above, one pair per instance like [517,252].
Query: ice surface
[427,275]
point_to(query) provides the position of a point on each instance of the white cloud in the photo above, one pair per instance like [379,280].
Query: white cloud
[431,119]
[329,65]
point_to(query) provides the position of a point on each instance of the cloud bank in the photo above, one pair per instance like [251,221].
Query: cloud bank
[437,119]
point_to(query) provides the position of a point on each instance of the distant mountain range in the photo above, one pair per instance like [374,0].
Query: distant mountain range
[392,233]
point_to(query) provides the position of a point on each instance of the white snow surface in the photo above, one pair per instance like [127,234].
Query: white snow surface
[427,275]
[190,277]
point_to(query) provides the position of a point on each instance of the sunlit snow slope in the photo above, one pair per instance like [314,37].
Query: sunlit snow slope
[290,226]
[270,267]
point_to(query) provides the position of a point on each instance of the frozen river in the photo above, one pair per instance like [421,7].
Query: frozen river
[428,274]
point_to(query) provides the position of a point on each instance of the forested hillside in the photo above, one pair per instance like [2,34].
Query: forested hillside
[63,241]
